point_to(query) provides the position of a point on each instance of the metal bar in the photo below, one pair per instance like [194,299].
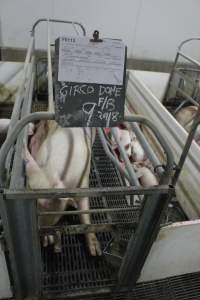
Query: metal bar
[14,134]
[85,192]
[49,72]
[132,175]
[87,228]
[170,79]
[184,76]
[9,218]
[8,234]
[77,294]
[22,216]
[110,155]
[19,98]
[162,141]
[194,61]
[184,94]
[179,107]
[186,41]
[141,241]
[85,212]
[187,146]
[57,21]
[20,94]
[147,148]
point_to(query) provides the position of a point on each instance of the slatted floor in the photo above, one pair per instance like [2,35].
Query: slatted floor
[74,270]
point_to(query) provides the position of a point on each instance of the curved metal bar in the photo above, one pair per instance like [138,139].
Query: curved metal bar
[186,41]
[14,134]
[57,21]
[170,160]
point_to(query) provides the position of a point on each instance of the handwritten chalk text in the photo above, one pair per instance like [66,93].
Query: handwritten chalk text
[74,90]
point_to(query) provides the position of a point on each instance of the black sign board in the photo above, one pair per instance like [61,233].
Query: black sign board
[90,82]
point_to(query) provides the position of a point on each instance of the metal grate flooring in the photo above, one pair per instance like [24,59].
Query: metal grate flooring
[74,269]
[74,272]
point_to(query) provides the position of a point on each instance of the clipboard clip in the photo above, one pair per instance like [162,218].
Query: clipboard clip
[96,38]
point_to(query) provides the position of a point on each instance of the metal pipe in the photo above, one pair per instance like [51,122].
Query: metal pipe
[147,148]
[110,155]
[179,107]
[194,61]
[14,134]
[57,21]
[170,79]
[163,143]
[19,97]
[89,211]
[20,194]
[17,110]
[189,98]
[132,175]
[186,41]
[141,241]
[49,72]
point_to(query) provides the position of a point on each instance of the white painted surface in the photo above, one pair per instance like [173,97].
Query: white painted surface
[151,29]
[144,102]
[175,252]
[155,81]
[5,291]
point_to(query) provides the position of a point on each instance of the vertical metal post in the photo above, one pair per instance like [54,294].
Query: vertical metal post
[49,71]
[170,79]
[20,221]
[154,205]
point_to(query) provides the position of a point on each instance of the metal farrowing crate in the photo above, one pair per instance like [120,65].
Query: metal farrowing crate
[115,215]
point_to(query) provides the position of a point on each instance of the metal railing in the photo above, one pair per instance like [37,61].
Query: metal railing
[18,204]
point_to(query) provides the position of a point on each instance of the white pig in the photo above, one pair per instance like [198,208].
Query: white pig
[60,158]
[146,176]
[185,115]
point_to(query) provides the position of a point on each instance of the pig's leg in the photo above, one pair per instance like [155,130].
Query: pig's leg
[83,204]
[91,239]
[35,173]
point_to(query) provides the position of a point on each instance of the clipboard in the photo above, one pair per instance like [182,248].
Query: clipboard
[89,81]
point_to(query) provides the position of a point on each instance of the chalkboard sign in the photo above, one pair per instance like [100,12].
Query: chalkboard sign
[90,82]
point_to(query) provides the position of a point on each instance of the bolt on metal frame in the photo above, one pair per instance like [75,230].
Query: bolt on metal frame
[18,205]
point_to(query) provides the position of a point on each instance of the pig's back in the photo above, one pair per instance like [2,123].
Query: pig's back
[65,153]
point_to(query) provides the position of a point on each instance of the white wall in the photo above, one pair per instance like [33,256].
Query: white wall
[151,28]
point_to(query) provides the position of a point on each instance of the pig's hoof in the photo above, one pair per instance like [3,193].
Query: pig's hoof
[93,245]
[57,248]
[58,244]
[48,240]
